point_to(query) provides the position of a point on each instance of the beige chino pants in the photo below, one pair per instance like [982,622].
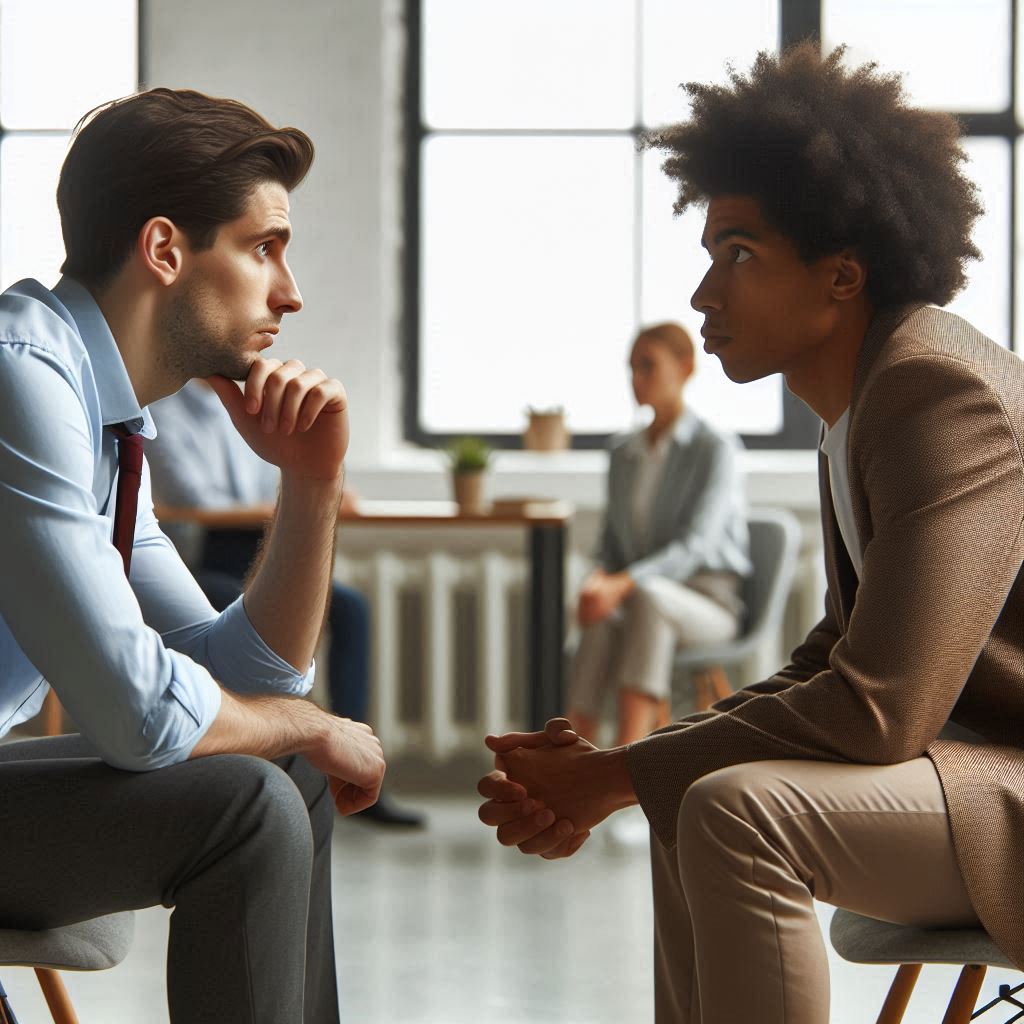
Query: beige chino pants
[736,936]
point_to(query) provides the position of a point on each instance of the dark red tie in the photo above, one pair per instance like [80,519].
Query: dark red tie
[126,504]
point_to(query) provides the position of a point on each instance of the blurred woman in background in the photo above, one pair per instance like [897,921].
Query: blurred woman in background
[673,551]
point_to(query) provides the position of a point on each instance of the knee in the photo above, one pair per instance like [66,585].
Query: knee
[718,809]
[268,804]
[313,787]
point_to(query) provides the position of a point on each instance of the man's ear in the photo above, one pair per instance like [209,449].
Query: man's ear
[850,275]
[161,249]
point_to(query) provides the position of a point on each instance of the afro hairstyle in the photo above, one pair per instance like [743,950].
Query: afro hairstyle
[836,159]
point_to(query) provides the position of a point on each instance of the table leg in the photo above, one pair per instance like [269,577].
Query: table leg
[547,623]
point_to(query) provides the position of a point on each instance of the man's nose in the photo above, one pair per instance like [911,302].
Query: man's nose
[287,298]
[706,298]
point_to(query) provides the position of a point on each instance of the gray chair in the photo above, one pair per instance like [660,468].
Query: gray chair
[863,940]
[774,543]
[94,945]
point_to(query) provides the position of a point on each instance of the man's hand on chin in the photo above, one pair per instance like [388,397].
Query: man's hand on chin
[290,416]
[550,788]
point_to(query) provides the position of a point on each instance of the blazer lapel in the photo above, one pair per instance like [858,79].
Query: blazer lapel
[880,330]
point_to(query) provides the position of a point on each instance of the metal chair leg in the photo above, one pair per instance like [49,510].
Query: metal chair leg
[900,991]
[56,996]
[965,995]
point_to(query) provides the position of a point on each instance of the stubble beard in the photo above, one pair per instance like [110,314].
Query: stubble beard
[193,341]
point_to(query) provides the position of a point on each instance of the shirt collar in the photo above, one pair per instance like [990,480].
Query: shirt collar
[832,437]
[682,434]
[118,403]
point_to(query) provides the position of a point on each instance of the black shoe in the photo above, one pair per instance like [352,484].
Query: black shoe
[386,812]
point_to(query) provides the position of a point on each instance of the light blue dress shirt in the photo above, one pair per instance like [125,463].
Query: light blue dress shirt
[134,662]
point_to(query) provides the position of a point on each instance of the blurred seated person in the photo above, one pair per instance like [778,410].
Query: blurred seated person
[200,461]
[673,552]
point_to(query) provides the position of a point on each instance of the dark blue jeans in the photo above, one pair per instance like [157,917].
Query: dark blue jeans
[227,555]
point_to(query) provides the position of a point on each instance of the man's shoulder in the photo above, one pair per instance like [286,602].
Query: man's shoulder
[31,316]
[950,352]
[936,364]
[931,333]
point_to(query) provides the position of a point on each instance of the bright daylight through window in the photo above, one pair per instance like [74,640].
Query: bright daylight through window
[92,59]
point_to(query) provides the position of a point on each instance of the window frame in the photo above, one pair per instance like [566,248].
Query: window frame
[798,20]
[52,133]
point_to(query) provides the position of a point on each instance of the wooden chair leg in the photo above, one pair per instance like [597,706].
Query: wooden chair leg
[703,697]
[710,685]
[965,995]
[56,996]
[53,715]
[900,991]
[720,685]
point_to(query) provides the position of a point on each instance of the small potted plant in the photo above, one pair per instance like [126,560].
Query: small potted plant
[469,458]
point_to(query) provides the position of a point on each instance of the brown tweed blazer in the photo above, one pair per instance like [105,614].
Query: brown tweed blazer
[935,630]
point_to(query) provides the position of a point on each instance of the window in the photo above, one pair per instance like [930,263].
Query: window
[58,59]
[539,239]
[980,91]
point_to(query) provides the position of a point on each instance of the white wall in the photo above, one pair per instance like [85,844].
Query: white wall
[319,65]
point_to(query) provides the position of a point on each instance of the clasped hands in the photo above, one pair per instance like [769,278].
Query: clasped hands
[550,788]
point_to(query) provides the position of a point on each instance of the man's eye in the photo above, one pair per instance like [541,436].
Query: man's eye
[741,255]
[263,248]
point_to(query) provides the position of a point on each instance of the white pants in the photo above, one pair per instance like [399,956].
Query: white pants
[633,649]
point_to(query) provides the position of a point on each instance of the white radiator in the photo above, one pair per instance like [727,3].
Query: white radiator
[448,658]
[449,645]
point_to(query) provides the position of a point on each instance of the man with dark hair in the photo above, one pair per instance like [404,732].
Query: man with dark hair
[882,769]
[174,208]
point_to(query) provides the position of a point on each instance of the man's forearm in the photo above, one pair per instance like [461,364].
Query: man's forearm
[267,727]
[286,596]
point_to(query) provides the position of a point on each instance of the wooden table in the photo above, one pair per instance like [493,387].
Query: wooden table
[546,524]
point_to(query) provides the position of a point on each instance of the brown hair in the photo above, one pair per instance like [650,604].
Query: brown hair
[175,153]
[673,336]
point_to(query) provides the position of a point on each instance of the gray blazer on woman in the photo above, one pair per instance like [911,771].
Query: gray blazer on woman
[698,522]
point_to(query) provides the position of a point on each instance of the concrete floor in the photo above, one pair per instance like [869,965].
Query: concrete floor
[446,927]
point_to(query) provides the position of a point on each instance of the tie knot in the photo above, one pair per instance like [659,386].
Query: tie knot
[129,449]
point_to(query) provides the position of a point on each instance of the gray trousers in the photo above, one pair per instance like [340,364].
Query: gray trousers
[238,846]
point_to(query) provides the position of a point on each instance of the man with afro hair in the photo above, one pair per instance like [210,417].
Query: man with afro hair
[882,769]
